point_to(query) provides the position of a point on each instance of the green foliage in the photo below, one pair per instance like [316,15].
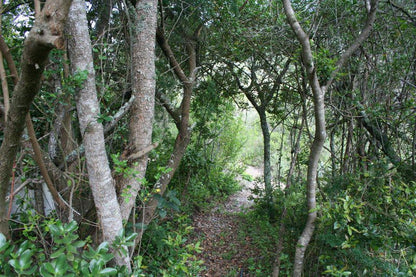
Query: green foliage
[167,202]
[263,238]
[72,84]
[68,256]
[325,64]
[211,162]
[168,252]
[368,227]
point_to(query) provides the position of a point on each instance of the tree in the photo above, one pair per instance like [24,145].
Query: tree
[256,72]
[319,110]
[46,34]
[99,173]
[143,90]
[181,115]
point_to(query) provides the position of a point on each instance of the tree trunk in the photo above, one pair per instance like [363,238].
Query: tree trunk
[46,34]
[267,175]
[181,118]
[99,173]
[143,89]
[319,112]
[267,171]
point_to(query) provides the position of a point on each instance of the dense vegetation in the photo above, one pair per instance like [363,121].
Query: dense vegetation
[321,95]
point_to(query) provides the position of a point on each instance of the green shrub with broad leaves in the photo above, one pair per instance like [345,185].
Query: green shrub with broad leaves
[169,251]
[367,227]
[69,256]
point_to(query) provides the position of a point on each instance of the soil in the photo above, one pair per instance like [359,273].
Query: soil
[225,249]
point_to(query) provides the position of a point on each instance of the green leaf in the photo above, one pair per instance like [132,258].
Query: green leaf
[108,271]
[94,267]
[25,259]
[131,237]
[3,240]
[58,253]
[103,247]
[121,233]
[79,243]
[30,271]
[44,271]
[70,257]
[14,264]
[61,264]
[72,227]
[71,249]
[349,230]
[54,230]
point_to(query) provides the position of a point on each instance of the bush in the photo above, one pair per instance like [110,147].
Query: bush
[367,227]
[69,256]
[167,250]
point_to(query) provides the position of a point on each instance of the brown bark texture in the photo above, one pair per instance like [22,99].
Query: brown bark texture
[46,34]
[37,153]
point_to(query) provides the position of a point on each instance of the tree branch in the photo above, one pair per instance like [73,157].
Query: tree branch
[38,158]
[168,107]
[164,45]
[365,33]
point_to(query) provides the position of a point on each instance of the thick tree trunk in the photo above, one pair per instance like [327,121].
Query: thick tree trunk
[46,34]
[267,174]
[143,89]
[99,173]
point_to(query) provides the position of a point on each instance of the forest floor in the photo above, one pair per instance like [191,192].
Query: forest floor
[226,250]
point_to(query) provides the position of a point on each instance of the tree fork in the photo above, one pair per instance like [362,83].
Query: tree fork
[319,113]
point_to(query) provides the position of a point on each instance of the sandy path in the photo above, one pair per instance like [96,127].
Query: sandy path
[240,200]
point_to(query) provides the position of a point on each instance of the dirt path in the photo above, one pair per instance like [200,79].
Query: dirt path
[225,252]
[240,200]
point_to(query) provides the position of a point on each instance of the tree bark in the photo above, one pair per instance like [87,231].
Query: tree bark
[99,173]
[143,89]
[46,34]
[184,130]
[39,158]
